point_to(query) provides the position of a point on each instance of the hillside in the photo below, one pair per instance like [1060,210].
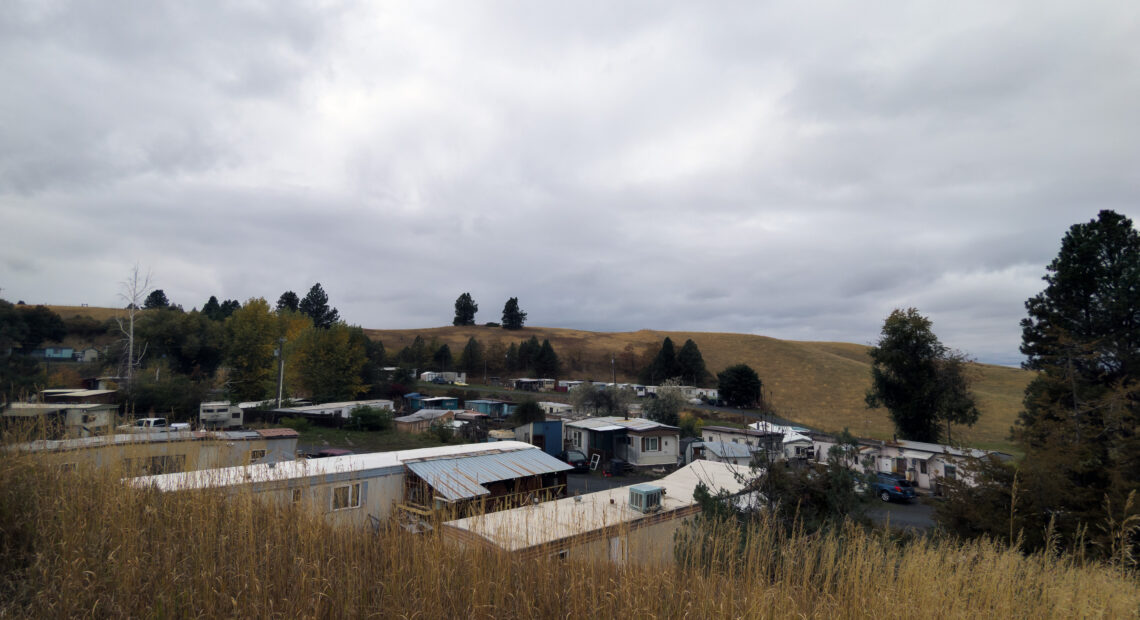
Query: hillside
[821,384]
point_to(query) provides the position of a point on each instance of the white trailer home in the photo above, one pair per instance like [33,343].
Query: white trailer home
[634,524]
[363,489]
[219,415]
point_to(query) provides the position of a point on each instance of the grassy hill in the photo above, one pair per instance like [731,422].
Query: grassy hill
[821,384]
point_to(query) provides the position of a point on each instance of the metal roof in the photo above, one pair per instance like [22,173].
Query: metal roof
[424,414]
[728,450]
[613,423]
[350,465]
[463,477]
[528,526]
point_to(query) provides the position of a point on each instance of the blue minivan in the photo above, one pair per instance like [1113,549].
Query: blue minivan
[893,487]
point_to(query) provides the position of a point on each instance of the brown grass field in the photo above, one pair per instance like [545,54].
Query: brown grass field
[82,544]
[821,384]
[99,314]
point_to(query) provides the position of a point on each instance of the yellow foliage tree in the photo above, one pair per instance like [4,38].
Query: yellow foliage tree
[329,363]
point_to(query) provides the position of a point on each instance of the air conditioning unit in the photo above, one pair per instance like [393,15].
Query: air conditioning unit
[646,498]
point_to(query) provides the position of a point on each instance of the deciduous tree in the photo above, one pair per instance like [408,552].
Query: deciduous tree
[252,333]
[666,405]
[918,380]
[330,362]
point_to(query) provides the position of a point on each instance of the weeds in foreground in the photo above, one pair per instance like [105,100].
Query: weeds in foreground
[83,544]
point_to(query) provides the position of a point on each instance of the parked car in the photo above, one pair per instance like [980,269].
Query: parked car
[576,458]
[147,425]
[893,487]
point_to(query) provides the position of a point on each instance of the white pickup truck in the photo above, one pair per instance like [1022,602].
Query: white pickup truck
[149,425]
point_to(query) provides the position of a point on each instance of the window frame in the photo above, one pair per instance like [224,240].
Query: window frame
[352,499]
[647,441]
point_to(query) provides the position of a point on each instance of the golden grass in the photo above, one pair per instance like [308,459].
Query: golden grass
[821,384]
[82,544]
[99,314]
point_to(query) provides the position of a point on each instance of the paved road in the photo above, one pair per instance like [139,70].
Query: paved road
[917,514]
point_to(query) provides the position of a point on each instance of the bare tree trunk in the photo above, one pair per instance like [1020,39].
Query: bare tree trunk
[134,289]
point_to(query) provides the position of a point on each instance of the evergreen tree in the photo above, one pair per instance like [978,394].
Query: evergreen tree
[471,359]
[528,351]
[156,299]
[228,307]
[546,363]
[528,411]
[512,358]
[513,317]
[691,364]
[442,358]
[664,365]
[739,386]
[212,309]
[316,306]
[288,301]
[465,309]
[1080,426]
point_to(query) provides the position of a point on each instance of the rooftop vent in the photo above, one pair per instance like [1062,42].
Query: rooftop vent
[645,498]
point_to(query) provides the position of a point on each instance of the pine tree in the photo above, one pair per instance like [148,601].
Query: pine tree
[316,306]
[465,309]
[691,364]
[288,301]
[513,317]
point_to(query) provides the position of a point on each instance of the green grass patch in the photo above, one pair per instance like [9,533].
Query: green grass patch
[364,441]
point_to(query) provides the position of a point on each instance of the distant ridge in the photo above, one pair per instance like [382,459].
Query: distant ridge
[821,384]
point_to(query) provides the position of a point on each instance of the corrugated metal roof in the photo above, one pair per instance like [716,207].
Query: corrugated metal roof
[463,477]
[424,414]
[613,423]
[728,450]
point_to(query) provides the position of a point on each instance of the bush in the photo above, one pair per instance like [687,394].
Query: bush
[298,424]
[371,419]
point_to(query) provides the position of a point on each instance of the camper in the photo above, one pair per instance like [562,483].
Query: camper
[219,415]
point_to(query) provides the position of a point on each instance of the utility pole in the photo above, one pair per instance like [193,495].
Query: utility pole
[280,368]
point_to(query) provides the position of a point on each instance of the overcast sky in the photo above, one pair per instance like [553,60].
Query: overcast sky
[789,169]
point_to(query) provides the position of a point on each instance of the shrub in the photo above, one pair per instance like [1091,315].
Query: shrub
[372,419]
[298,424]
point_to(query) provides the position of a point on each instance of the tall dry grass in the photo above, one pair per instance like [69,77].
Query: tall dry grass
[75,544]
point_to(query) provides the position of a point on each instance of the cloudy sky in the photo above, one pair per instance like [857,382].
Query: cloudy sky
[789,169]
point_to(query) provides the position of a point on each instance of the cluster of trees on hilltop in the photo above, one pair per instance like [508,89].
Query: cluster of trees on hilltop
[465,309]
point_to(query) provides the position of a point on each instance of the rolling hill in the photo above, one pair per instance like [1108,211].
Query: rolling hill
[820,384]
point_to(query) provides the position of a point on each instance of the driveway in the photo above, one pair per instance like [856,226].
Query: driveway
[916,515]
